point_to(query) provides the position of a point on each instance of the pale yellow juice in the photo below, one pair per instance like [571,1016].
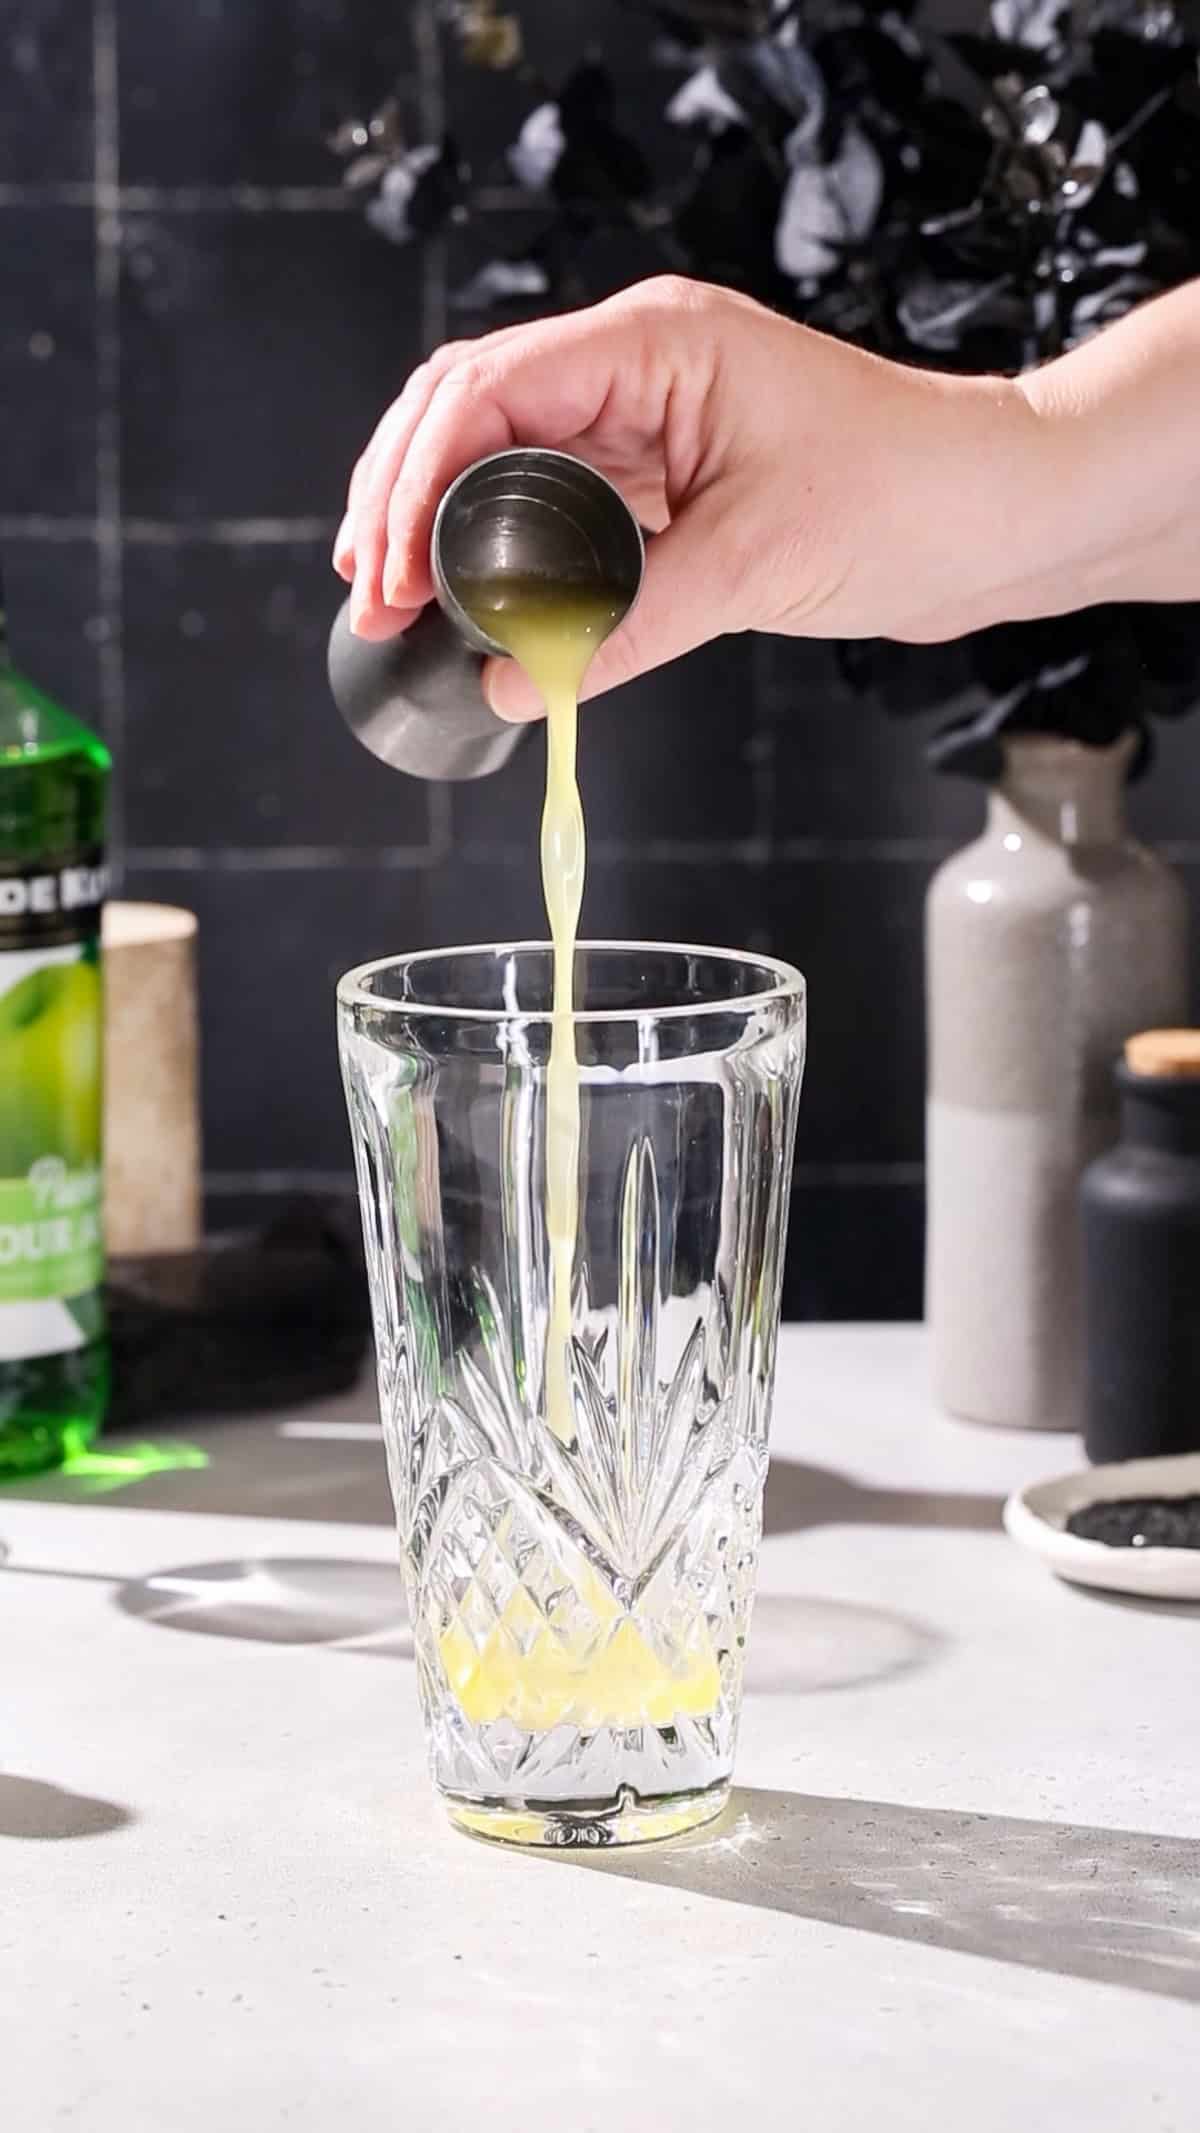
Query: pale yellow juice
[522,1672]
[553,631]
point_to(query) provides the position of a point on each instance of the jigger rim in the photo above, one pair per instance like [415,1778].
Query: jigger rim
[542,455]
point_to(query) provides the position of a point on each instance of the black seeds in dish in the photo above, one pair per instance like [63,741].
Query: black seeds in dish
[1140,1522]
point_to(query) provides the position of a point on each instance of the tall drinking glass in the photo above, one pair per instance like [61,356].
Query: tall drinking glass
[579,1585]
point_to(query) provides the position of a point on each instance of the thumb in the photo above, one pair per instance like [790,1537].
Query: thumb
[684,602]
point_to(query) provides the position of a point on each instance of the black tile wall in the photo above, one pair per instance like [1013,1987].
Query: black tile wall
[245,92]
[55,622]
[681,736]
[500,814]
[714,903]
[229,737]
[855,1248]
[854,928]
[844,768]
[491,900]
[197,334]
[47,361]
[263,345]
[1165,803]
[46,133]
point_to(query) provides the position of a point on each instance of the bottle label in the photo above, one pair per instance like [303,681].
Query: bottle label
[51,1029]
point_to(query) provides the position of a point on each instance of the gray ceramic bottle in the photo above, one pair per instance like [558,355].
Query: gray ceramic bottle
[1048,942]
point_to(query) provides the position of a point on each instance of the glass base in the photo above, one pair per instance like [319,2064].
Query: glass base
[563,1827]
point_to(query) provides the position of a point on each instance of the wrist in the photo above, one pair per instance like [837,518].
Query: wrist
[1039,530]
[1055,518]
[1118,444]
[990,545]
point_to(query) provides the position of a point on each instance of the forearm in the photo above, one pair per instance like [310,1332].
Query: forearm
[975,500]
[1118,440]
[813,489]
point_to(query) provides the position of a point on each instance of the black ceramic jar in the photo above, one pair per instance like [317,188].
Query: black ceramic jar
[1141,1237]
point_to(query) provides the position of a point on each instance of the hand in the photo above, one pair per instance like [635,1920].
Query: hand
[795,483]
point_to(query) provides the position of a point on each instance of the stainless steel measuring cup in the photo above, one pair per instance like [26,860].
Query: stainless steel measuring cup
[415,701]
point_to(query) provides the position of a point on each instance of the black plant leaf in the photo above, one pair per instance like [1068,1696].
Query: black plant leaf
[993,59]
[601,169]
[692,22]
[418,191]
[726,220]
[502,282]
[934,314]
[1167,642]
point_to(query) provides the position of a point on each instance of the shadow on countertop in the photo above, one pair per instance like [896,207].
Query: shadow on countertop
[1113,1906]
[799,1496]
[323,1461]
[46,1814]
[802,1643]
[326,1462]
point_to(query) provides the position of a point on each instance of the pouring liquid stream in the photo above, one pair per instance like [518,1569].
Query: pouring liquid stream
[553,631]
[612,1673]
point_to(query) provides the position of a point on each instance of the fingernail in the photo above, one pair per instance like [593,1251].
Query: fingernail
[392,578]
[343,552]
[358,604]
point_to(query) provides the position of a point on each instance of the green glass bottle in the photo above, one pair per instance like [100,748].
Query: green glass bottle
[53,1346]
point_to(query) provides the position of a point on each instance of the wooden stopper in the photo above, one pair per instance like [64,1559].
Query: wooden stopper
[151,1101]
[1168,1053]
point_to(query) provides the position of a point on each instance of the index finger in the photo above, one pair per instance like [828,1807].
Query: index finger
[549,383]
[548,389]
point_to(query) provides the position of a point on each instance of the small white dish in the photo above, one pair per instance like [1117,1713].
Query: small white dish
[1036,1518]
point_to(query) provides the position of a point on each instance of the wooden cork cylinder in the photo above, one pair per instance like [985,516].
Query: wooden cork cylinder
[151,1096]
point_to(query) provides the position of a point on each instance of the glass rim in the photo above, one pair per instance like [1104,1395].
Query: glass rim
[353,989]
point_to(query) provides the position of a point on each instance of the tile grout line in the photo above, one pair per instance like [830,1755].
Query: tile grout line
[275,858]
[761,751]
[37,526]
[431,100]
[859,1172]
[229,532]
[184,199]
[268,1181]
[168,533]
[750,852]
[807,1176]
[385,858]
[606,852]
[244,199]
[234,198]
[666,851]
[83,195]
[439,810]
[430,82]
[106,222]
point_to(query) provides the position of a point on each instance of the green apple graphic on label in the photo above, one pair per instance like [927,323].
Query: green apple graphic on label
[50,1068]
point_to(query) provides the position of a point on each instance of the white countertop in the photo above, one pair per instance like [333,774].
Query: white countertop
[960,1885]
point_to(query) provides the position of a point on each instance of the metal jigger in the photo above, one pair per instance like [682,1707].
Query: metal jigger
[415,701]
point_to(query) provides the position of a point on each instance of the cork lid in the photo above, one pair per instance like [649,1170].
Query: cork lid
[131,925]
[1169,1053]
